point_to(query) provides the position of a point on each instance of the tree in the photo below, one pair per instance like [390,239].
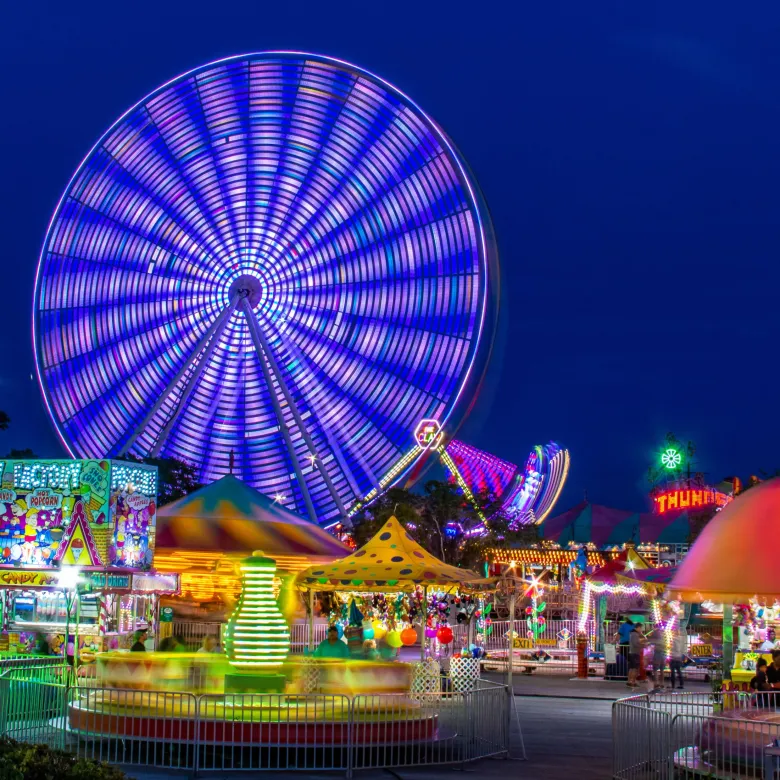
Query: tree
[26,454]
[5,420]
[175,478]
[444,522]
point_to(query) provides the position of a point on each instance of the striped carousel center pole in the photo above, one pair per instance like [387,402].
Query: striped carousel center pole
[257,637]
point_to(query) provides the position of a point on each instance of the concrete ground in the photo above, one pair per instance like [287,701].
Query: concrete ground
[566,725]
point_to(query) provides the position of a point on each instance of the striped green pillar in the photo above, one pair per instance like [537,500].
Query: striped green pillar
[257,637]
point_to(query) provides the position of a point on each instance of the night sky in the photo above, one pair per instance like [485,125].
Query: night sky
[627,151]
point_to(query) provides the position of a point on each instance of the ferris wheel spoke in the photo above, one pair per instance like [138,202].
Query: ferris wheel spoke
[332,151]
[377,188]
[389,342]
[193,378]
[191,365]
[399,216]
[420,304]
[105,239]
[141,203]
[263,359]
[332,409]
[274,87]
[111,384]
[365,380]
[112,326]
[258,336]
[348,223]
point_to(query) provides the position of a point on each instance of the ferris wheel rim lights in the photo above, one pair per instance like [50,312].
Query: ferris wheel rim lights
[452,399]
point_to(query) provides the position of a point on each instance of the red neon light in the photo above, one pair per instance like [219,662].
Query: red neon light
[672,500]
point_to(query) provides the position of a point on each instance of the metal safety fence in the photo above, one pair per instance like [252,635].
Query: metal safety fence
[179,731]
[685,736]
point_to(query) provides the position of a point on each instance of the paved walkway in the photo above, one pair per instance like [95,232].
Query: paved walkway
[565,738]
[566,724]
[572,688]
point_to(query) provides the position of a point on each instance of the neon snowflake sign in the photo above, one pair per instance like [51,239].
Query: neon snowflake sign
[671,458]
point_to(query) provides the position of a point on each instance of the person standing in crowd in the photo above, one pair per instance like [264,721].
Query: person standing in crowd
[759,683]
[773,670]
[624,632]
[679,649]
[139,645]
[210,645]
[658,640]
[635,647]
[332,646]
[168,645]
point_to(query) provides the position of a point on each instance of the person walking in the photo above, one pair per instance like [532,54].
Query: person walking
[679,649]
[658,641]
[635,647]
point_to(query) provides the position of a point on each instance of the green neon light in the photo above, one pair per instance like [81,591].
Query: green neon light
[671,458]
[257,633]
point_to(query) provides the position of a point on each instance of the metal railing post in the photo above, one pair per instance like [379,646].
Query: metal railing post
[196,739]
[350,736]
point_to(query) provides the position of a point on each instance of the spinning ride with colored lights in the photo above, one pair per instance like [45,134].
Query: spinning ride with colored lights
[273,265]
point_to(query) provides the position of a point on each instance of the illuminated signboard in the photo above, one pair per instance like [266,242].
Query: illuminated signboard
[693,498]
[29,579]
[671,458]
[427,434]
[87,513]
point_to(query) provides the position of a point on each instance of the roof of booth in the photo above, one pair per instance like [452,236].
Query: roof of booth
[391,561]
[606,526]
[229,516]
[734,558]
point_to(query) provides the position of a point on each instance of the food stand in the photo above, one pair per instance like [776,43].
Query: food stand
[96,517]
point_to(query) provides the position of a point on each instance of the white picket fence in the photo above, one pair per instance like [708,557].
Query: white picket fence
[192,633]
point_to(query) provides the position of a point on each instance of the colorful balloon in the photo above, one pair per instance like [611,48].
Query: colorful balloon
[380,630]
[430,632]
[408,636]
[444,635]
[393,639]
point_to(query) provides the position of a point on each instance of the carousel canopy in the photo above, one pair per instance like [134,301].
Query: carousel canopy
[391,561]
[605,526]
[627,562]
[658,576]
[734,558]
[229,516]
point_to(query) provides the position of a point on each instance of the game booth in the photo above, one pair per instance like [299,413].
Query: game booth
[734,731]
[77,545]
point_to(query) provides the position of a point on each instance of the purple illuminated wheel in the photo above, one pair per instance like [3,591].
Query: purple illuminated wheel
[277,260]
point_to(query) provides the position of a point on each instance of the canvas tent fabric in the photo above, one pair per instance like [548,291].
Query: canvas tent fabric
[629,560]
[229,516]
[606,526]
[391,561]
[659,576]
[734,558]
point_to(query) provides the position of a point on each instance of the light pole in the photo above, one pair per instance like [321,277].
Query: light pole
[68,581]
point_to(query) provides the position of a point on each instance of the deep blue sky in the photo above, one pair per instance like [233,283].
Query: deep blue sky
[628,153]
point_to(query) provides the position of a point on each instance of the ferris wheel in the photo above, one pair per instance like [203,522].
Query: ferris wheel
[274,265]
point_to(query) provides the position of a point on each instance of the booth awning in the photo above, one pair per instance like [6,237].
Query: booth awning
[628,561]
[229,516]
[735,559]
[391,561]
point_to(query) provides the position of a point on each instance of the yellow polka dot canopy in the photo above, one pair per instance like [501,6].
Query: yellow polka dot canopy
[391,561]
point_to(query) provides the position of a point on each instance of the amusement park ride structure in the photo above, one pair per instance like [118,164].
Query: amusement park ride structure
[276,265]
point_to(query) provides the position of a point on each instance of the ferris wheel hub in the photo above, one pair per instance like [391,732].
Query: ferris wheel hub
[247,286]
